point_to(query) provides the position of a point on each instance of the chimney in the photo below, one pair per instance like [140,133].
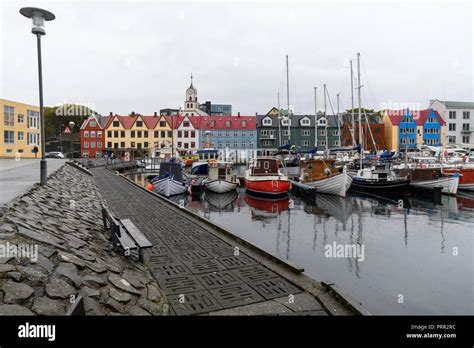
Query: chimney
[155,114]
[238,114]
[111,113]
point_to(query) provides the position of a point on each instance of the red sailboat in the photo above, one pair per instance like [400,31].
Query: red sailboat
[264,178]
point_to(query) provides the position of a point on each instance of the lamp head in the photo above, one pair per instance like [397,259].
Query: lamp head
[38,17]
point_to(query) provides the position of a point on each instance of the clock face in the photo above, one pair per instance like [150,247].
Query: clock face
[190,91]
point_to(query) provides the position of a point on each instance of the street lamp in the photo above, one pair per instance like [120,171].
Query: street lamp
[71,127]
[38,16]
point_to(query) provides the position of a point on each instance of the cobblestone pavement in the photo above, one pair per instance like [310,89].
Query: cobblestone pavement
[199,272]
[53,247]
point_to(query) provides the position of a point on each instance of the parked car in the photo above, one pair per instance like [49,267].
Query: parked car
[54,154]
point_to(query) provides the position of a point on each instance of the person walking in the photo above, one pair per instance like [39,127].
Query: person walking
[35,151]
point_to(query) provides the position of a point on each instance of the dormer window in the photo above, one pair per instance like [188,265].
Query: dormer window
[185,124]
[285,121]
[267,122]
[305,122]
[139,123]
[213,123]
[227,123]
[244,124]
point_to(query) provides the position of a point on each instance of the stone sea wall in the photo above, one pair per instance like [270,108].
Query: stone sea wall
[53,247]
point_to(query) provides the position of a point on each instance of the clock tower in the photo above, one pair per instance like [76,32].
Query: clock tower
[191,101]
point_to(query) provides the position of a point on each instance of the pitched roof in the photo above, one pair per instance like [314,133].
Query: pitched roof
[419,116]
[101,121]
[457,104]
[235,122]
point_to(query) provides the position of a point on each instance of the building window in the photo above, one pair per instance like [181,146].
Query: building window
[236,134]
[267,122]
[322,142]
[132,144]
[244,145]
[162,123]
[116,134]
[227,133]
[213,123]
[186,134]
[21,135]
[264,132]
[219,144]
[92,123]
[116,123]
[122,144]
[219,133]
[92,134]
[157,133]
[251,134]
[335,143]
[251,144]
[109,144]
[465,127]
[132,134]
[186,145]
[305,143]
[85,154]
[116,145]
[466,139]
[466,115]
[193,144]
[227,144]
[236,144]
[33,119]
[86,134]
[322,132]
[431,120]
[122,134]
[305,132]
[244,124]
[335,133]
[145,144]
[186,124]
[227,123]
[170,134]
[179,143]
[9,112]
[180,134]
[99,134]
[193,134]
[32,138]
[139,134]
[93,144]
[162,134]
[451,139]
[267,143]
[305,122]
[285,132]
[452,126]
[99,144]
[86,144]
[109,134]
[20,118]
[9,137]
[139,123]
[452,115]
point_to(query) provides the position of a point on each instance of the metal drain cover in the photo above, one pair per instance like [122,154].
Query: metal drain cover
[236,261]
[179,284]
[236,295]
[218,279]
[194,303]
[204,266]
[274,287]
[254,273]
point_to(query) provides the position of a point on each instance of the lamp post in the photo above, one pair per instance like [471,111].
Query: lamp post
[71,127]
[38,17]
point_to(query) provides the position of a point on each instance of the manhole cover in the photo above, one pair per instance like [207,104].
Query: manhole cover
[254,273]
[218,279]
[236,295]
[274,287]
[236,261]
[179,284]
[193,255]
[193,303]
[204,266]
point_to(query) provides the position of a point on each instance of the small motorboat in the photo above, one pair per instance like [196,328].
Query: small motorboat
[379,179]
[171,180]
[265,178]
[432,178]
[222,177]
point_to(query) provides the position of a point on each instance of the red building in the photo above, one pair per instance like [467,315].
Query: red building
[93,137]
[372,138]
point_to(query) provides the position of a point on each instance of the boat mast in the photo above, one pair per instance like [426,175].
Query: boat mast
[316,118]
[338,123]
[325,116]
[279,120]
[360,109]
[288,99]
[352,103]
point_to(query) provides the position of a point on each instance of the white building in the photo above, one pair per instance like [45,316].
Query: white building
[191,105]
[459,117]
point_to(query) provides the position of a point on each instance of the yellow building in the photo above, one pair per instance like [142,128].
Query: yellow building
[20,132]
[136,132]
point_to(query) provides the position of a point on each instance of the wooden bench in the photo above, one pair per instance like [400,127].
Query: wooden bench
[125,234]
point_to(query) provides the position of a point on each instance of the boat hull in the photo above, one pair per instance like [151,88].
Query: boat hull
[466,181]
[220,186]
[271,188]
[449,184]
[381,187]
[169,187]
[337,184]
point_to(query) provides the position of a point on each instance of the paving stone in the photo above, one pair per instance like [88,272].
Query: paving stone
[94,281]
[16,292]
[138,280]
[89,292]
[115,306]
[92,306]
[45,263]
[300,302]
[15,276]
[66,257]
[46,251]
[48,306]
[14,309]
[138,311]
[122,284]
[153,294]
[151,307]
[41,237]
[69,271]
[261,308]
[119,296]
[35,276]
[58,288]
[5,269]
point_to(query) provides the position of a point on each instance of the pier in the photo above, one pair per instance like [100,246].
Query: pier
[203,269]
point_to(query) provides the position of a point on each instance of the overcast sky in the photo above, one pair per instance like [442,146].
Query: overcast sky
[131,55]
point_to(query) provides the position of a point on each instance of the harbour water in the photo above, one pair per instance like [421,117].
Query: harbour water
[417,257]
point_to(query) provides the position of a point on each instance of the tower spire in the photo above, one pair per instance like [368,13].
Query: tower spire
[191,81]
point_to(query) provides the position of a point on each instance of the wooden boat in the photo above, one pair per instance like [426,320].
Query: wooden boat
[379,179]
[262,208]
[171,180]
[431,178]
[222,177]
[466,181]
[221,202]
[264,178]
[324,176]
